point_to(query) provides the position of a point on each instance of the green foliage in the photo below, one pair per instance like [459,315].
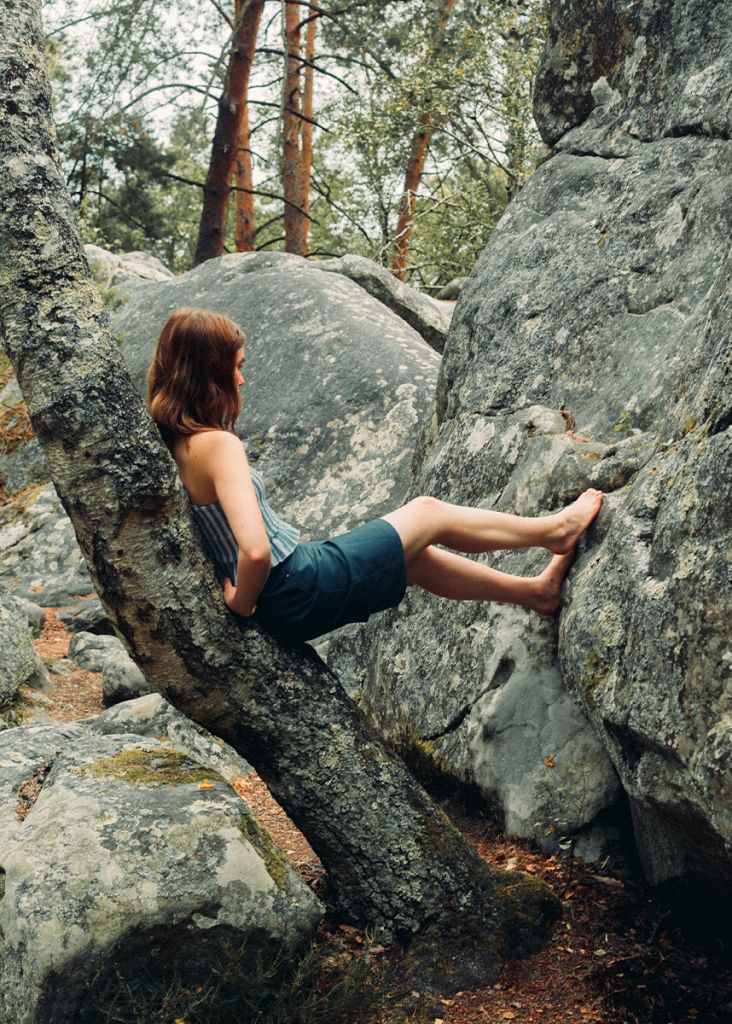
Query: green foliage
[471,84]
[136,106]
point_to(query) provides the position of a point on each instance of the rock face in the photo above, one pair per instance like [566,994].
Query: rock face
[39,557]
[19,663]
[129,870]
[591,347]
[336,383]
[122,679]
[86,616]
[426,316]
[654,69]
[126,271]
[451,290]
[150,715]
[21,459]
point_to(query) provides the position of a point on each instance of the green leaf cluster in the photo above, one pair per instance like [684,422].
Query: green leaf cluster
[136,105]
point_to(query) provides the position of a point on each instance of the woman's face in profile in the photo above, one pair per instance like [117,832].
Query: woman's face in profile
[239,368]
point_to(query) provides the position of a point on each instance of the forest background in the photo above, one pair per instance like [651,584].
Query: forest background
[394,129]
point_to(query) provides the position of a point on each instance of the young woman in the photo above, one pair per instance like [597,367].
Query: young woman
[301,590]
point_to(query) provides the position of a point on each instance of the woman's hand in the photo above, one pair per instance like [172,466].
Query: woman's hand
[231,603]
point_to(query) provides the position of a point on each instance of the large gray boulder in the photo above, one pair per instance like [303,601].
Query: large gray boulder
[151,715]
[129,869]
[86,616]
[21,460]
[122,273]
[429,318]
[122,680]
[92,651]
[19,663]
[591,347]
[39,557]
[335,383]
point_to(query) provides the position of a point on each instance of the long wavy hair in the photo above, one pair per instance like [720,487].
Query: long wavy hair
[191,382]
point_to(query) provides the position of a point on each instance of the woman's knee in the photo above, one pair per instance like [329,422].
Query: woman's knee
[427,505]
[419,522]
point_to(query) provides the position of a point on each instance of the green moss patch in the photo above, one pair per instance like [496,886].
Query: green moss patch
[274,859]
[159,766]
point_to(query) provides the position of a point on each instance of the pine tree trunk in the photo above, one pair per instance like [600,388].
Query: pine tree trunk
[393,860]
[244,230]
[415,166]
[412,178]
[232,107]
[292,103]
[245,236]
[307,124]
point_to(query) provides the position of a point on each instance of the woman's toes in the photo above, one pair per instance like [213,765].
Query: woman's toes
[575,519]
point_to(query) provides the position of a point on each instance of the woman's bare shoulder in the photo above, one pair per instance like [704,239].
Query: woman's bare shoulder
[213,441]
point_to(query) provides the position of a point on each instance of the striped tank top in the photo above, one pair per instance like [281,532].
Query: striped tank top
[220,542]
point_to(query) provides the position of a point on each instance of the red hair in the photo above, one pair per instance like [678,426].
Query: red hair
[191,382]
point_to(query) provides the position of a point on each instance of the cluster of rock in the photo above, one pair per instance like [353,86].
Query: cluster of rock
[591,347]
[130,868]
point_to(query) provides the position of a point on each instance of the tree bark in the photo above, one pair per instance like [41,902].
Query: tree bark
[292,127]
[415,166]
[308,109]
[412,178]
[245,229]
[245,234]
[227,137]
[393,860]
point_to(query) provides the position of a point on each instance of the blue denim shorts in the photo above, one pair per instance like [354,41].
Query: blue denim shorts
[325,584]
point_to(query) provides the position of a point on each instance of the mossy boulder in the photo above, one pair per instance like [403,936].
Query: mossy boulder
[129,866]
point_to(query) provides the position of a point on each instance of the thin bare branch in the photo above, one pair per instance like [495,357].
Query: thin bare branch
[223,13]
[308,63]
[238,188]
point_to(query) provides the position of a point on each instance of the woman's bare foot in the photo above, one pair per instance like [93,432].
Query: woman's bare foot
[549,584]
[573,521]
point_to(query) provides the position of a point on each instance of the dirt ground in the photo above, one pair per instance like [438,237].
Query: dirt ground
[620,954]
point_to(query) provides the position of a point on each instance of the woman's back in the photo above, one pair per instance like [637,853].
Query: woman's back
[193,455]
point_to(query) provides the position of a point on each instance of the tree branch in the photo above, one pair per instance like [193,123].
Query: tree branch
[307,63]
[238,188]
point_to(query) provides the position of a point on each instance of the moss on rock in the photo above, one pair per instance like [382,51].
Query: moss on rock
[158,766]
[277,864]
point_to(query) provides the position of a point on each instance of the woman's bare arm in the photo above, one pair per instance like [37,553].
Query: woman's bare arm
[226,463]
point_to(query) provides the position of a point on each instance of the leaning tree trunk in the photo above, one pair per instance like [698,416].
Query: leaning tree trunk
[232,108]
[393,860]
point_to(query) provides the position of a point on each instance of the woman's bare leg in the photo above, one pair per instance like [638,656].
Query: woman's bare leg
[461,579]
[426,521]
